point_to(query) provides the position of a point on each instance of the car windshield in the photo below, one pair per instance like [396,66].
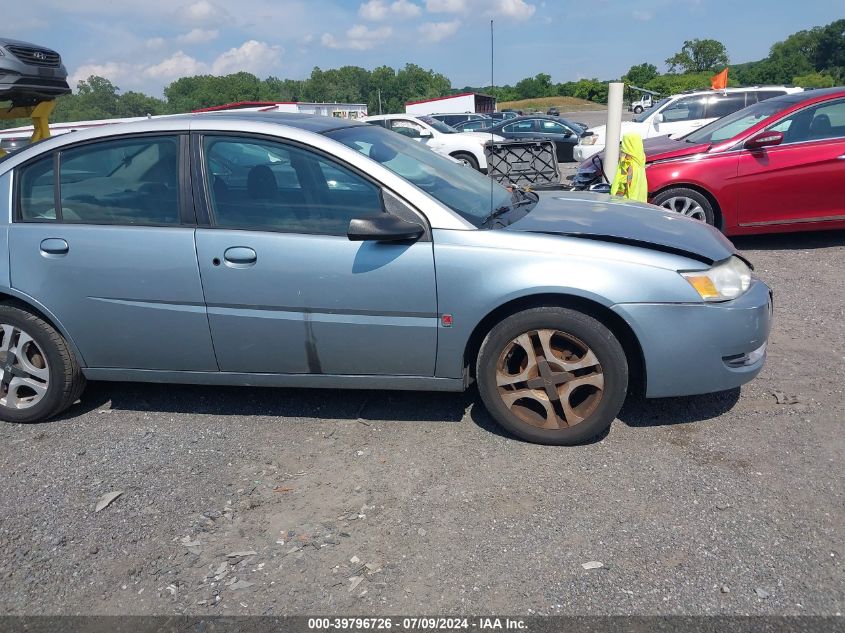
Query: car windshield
[736,123]
[467,192]
[437,125]
[642,116]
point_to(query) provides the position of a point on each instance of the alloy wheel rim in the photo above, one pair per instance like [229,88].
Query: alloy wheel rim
[685,206]
[24,373]
[549,379]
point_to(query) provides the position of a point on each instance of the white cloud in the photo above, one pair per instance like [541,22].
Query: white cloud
[198,36]
[379,10]
[253,56]
[177,65]
[642,16]
[359,37]
[446,6]
[517,9]
[436,31]
[115,72]
[203,12]
[155,42]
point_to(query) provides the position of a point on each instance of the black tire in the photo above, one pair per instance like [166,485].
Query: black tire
[638,109]
[65,379]
[576,327]
[469,159]
[672,199]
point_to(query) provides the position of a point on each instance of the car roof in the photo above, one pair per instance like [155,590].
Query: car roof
[310,122]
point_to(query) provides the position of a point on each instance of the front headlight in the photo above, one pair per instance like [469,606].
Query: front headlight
[724,281]
[590,139]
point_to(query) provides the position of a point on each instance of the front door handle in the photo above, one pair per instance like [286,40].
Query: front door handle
[240,257]
[841,157]
[54,246]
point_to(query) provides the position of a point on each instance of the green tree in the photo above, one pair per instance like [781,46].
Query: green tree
[640,74]
[814,80]
[699,55]
[533,87]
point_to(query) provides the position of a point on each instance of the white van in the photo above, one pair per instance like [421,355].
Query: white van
[681,114]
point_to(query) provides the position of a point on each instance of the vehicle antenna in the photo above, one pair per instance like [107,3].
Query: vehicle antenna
[492,89]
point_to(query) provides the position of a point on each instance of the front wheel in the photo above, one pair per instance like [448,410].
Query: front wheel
[39,375]
[638,109]
[552,375]
[467,159]
[688,202]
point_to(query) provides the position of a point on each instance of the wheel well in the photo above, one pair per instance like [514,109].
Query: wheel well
[717,210]
[9,300]
[612,321]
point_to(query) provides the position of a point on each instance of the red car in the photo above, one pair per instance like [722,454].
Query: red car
[775,166]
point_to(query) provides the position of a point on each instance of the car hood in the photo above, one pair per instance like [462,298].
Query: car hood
[612,219]
[664,148]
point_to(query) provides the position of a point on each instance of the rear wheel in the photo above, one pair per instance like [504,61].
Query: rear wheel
[466,159]
[39,375]
[688,202]
[552,375]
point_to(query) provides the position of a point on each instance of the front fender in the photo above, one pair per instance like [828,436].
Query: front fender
[480,271]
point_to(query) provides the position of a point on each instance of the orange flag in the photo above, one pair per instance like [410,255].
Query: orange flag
[719,81]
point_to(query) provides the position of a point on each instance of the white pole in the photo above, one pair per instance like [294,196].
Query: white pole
[614,129]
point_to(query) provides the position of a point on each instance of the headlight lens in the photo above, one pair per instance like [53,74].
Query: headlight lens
[723,282]
[590,139]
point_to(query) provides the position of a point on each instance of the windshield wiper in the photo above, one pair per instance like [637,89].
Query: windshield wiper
[496,213]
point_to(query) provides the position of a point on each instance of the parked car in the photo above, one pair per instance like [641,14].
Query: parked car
[474,125]
[30,73]
[350,256]
[681,114]
[553,111]
[465,147]
[504,114]
[562,132]
[452,119]
[774,166]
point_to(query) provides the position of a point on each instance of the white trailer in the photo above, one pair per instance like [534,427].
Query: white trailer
[467,102]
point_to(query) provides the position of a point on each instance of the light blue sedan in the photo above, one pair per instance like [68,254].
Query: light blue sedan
[305,251]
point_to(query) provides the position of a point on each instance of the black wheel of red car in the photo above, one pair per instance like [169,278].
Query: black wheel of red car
[552,375]
[688,202]
[39,375]
[466,159]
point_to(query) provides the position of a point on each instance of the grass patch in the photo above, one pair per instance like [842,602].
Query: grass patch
[564,104]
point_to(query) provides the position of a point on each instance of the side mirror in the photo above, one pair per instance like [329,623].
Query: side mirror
[383,228]
[425,134]
[766,138]
[658,118]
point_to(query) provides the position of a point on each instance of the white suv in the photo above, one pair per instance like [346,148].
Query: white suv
[466,147]
[681,114]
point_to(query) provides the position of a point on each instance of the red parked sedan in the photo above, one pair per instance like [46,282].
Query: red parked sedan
[775,166]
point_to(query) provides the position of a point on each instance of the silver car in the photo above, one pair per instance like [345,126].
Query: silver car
[304,251]
[30,73]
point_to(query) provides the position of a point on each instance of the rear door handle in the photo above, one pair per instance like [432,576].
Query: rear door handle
[240,257]
[54,246]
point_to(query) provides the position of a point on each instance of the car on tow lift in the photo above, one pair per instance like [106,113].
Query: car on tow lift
[306,251]
[30,73]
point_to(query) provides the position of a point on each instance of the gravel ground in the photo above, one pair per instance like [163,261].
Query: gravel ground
[250,501]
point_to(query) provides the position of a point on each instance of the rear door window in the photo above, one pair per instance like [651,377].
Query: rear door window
[684,109]
[124,181]
[127,181]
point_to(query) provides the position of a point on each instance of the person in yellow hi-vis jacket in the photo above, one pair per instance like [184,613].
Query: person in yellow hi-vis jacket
[630,181]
